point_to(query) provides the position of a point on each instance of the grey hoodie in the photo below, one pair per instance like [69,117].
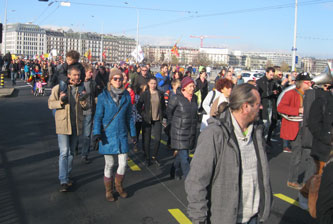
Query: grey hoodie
[213,183]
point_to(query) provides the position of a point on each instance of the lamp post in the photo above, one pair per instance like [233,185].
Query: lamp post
[137,31]
[294,49]
[5,28]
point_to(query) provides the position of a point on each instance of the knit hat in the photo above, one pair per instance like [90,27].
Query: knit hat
[114,71]
[187,80]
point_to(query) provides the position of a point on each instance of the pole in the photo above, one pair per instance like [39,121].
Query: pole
[137,35]
[294,49]
[101,55]
[5,29]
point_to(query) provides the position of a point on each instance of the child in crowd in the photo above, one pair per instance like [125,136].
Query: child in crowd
[72,59]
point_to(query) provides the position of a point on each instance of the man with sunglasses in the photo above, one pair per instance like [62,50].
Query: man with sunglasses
[141,79]
[292,104]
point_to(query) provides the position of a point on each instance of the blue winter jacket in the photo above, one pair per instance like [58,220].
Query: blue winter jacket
[163,82]
[114,138]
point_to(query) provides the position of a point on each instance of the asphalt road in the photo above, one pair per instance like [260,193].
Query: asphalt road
[29,184]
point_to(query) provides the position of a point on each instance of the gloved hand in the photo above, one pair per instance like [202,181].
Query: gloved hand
[97,138]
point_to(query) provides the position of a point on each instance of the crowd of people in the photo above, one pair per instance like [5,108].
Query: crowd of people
[227,180]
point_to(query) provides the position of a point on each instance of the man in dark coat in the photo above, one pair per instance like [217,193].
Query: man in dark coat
[268,92]
[320,124]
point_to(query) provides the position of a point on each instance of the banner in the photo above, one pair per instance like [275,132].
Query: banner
[174,50]
[138,54]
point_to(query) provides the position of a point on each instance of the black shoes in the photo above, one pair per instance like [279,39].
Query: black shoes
[155,161]
[85,160]
[64,188]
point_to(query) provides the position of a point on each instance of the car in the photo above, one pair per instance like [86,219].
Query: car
[248,76]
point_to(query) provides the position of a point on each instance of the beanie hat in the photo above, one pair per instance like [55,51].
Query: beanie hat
[114,71]
[187,80]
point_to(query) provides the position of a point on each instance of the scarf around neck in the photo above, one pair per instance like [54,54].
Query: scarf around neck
[116,94]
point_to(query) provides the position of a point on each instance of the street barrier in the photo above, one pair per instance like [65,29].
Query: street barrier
[2,80]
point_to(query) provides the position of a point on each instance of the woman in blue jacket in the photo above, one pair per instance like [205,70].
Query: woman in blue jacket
[113,120]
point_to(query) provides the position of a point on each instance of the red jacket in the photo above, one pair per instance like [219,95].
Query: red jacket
[289,104]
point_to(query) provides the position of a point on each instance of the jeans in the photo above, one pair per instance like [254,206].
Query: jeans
[87,124]
[67,145]
[253,220]
[286,143]
[138,128]
[154,128]
[182,161]
[13,77]
[63,87]
[301,162]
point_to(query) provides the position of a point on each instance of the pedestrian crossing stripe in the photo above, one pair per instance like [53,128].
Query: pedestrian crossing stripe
[179,216]
[133,166]
[287,199]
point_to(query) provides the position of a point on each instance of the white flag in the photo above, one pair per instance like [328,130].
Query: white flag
[138,54]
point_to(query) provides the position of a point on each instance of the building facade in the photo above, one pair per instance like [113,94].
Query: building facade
[28,40]
[25,39]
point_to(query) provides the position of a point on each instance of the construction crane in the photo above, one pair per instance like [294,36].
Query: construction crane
[212,37]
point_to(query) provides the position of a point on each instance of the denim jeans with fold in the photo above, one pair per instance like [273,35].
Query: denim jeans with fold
[182,162]
[67,145]
[86,137]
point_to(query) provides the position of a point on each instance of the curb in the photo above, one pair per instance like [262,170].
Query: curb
[6,92]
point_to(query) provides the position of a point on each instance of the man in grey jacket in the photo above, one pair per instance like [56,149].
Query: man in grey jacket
[229,179]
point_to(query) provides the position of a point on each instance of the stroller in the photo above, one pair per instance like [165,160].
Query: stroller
[39,87]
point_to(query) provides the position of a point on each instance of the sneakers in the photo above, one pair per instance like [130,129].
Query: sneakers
[64,188]
[85,160]
[287,149]
[294,185]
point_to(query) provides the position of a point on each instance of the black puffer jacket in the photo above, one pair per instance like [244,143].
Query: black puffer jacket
[144,106]
[320,125]
[183,117]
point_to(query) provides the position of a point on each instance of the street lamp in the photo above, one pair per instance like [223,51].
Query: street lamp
[137,31]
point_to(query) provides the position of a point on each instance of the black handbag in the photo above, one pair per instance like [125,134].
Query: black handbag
[96,143]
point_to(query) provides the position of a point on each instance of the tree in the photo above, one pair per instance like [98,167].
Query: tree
[174,60]
[269,64]
[162,57]
[284,67]
[201,59]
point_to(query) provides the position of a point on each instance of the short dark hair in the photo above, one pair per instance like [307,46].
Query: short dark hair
[241,94]
[163,65]
[270,69]
[73,68]
[73,54]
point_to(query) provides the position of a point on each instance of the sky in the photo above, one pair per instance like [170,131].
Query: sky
[246,25]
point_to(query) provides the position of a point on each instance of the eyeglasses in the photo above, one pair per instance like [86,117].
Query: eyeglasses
[118,79]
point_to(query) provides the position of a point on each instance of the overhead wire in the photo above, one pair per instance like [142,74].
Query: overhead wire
[50,14]
[43,12]
[288,5]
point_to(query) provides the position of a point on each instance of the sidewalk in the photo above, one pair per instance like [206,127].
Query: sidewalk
[6,92]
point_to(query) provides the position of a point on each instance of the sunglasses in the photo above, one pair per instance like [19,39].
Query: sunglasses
[117,79]
[143,70]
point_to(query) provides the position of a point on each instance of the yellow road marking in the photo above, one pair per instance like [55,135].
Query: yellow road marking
[179,216]
[133,166]
[191,155]
[287,199]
